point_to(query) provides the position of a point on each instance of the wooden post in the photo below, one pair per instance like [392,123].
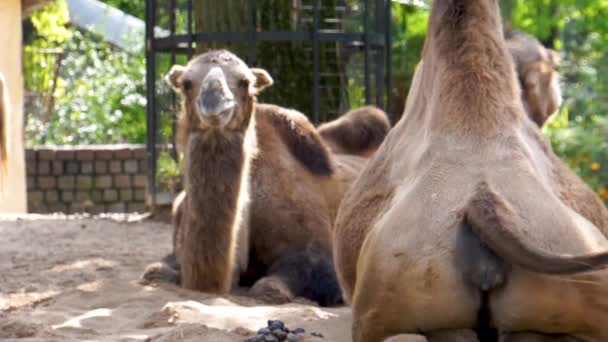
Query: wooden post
[12,183]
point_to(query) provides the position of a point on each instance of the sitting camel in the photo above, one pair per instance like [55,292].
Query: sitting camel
[463,226]
[539,81]
[262,189]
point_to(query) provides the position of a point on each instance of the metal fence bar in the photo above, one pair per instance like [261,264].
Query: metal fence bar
[251,31]
[367,51]
[151,100]
[379,57]
[389,61]
[173,95]
[190,30]
[316,46]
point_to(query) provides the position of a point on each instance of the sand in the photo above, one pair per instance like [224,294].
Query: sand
[75,278]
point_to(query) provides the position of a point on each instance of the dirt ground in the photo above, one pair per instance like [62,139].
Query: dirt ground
[71,278]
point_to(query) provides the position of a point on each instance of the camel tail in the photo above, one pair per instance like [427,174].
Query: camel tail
[494,220]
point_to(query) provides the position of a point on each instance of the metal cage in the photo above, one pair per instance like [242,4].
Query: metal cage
[355,34]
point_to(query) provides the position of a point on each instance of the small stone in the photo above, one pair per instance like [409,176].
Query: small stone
[298,331]
[264,331]
[270,338]
[276,325]
[316,334]
[279,334]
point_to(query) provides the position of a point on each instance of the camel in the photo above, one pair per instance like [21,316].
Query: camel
[4,110]
[463,225]
[539,81]
[262,189]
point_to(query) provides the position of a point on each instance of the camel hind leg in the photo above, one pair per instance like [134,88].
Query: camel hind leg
[309,274]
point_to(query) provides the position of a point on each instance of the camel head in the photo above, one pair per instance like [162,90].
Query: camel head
[538,78]
[218,90]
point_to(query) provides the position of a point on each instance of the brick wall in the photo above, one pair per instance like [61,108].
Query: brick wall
[94,179]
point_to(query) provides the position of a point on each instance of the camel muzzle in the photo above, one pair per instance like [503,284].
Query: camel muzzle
[216,102]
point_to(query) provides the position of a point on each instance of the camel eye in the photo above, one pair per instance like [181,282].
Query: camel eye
[243,84]
[187,85]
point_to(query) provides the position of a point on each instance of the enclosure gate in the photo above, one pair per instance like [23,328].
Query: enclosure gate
[345,28]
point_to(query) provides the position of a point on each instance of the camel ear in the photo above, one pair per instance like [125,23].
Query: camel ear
[262,80]
[174,76]
[553,57]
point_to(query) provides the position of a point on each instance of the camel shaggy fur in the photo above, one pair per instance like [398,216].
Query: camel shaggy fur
[463,226]
[262,190]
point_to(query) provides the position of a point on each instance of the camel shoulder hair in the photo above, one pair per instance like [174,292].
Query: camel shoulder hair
[298,135]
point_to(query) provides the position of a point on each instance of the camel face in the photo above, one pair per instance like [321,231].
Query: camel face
[217,88]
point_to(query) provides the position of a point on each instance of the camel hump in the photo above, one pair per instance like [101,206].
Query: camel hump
[299,136]
[545,239]
[359,132]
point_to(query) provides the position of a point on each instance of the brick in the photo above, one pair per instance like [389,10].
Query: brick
[82,196]
[46,154]
[123,153]
[131,166]
[86,167]
[80,207]
[97,196]
[101,166]
[30,155]
[143,165]
[84,182]
[30,168]
[103,182]
[72,168]
[139,195]
[51,196]
[140,181]
[57,208]
[35,197]
[116,208]
[65,154]
[31,183]
[115,166]
[139,153]
[66,182]
[97,209]
[67,196]
[122,181]
[39,208]
[136,207]
[110,195]
[85,155]
[47,182]
[57,167]
[43,167]
[126,195]
[104,155]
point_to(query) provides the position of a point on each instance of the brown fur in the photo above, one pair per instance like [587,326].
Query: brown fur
[466,174]
[538,79]
[287,204]
[358,132]
[4,112]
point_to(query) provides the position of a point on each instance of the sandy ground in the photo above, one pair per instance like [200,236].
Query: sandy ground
[76,279]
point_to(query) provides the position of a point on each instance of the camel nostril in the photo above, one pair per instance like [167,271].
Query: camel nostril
[211,100]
